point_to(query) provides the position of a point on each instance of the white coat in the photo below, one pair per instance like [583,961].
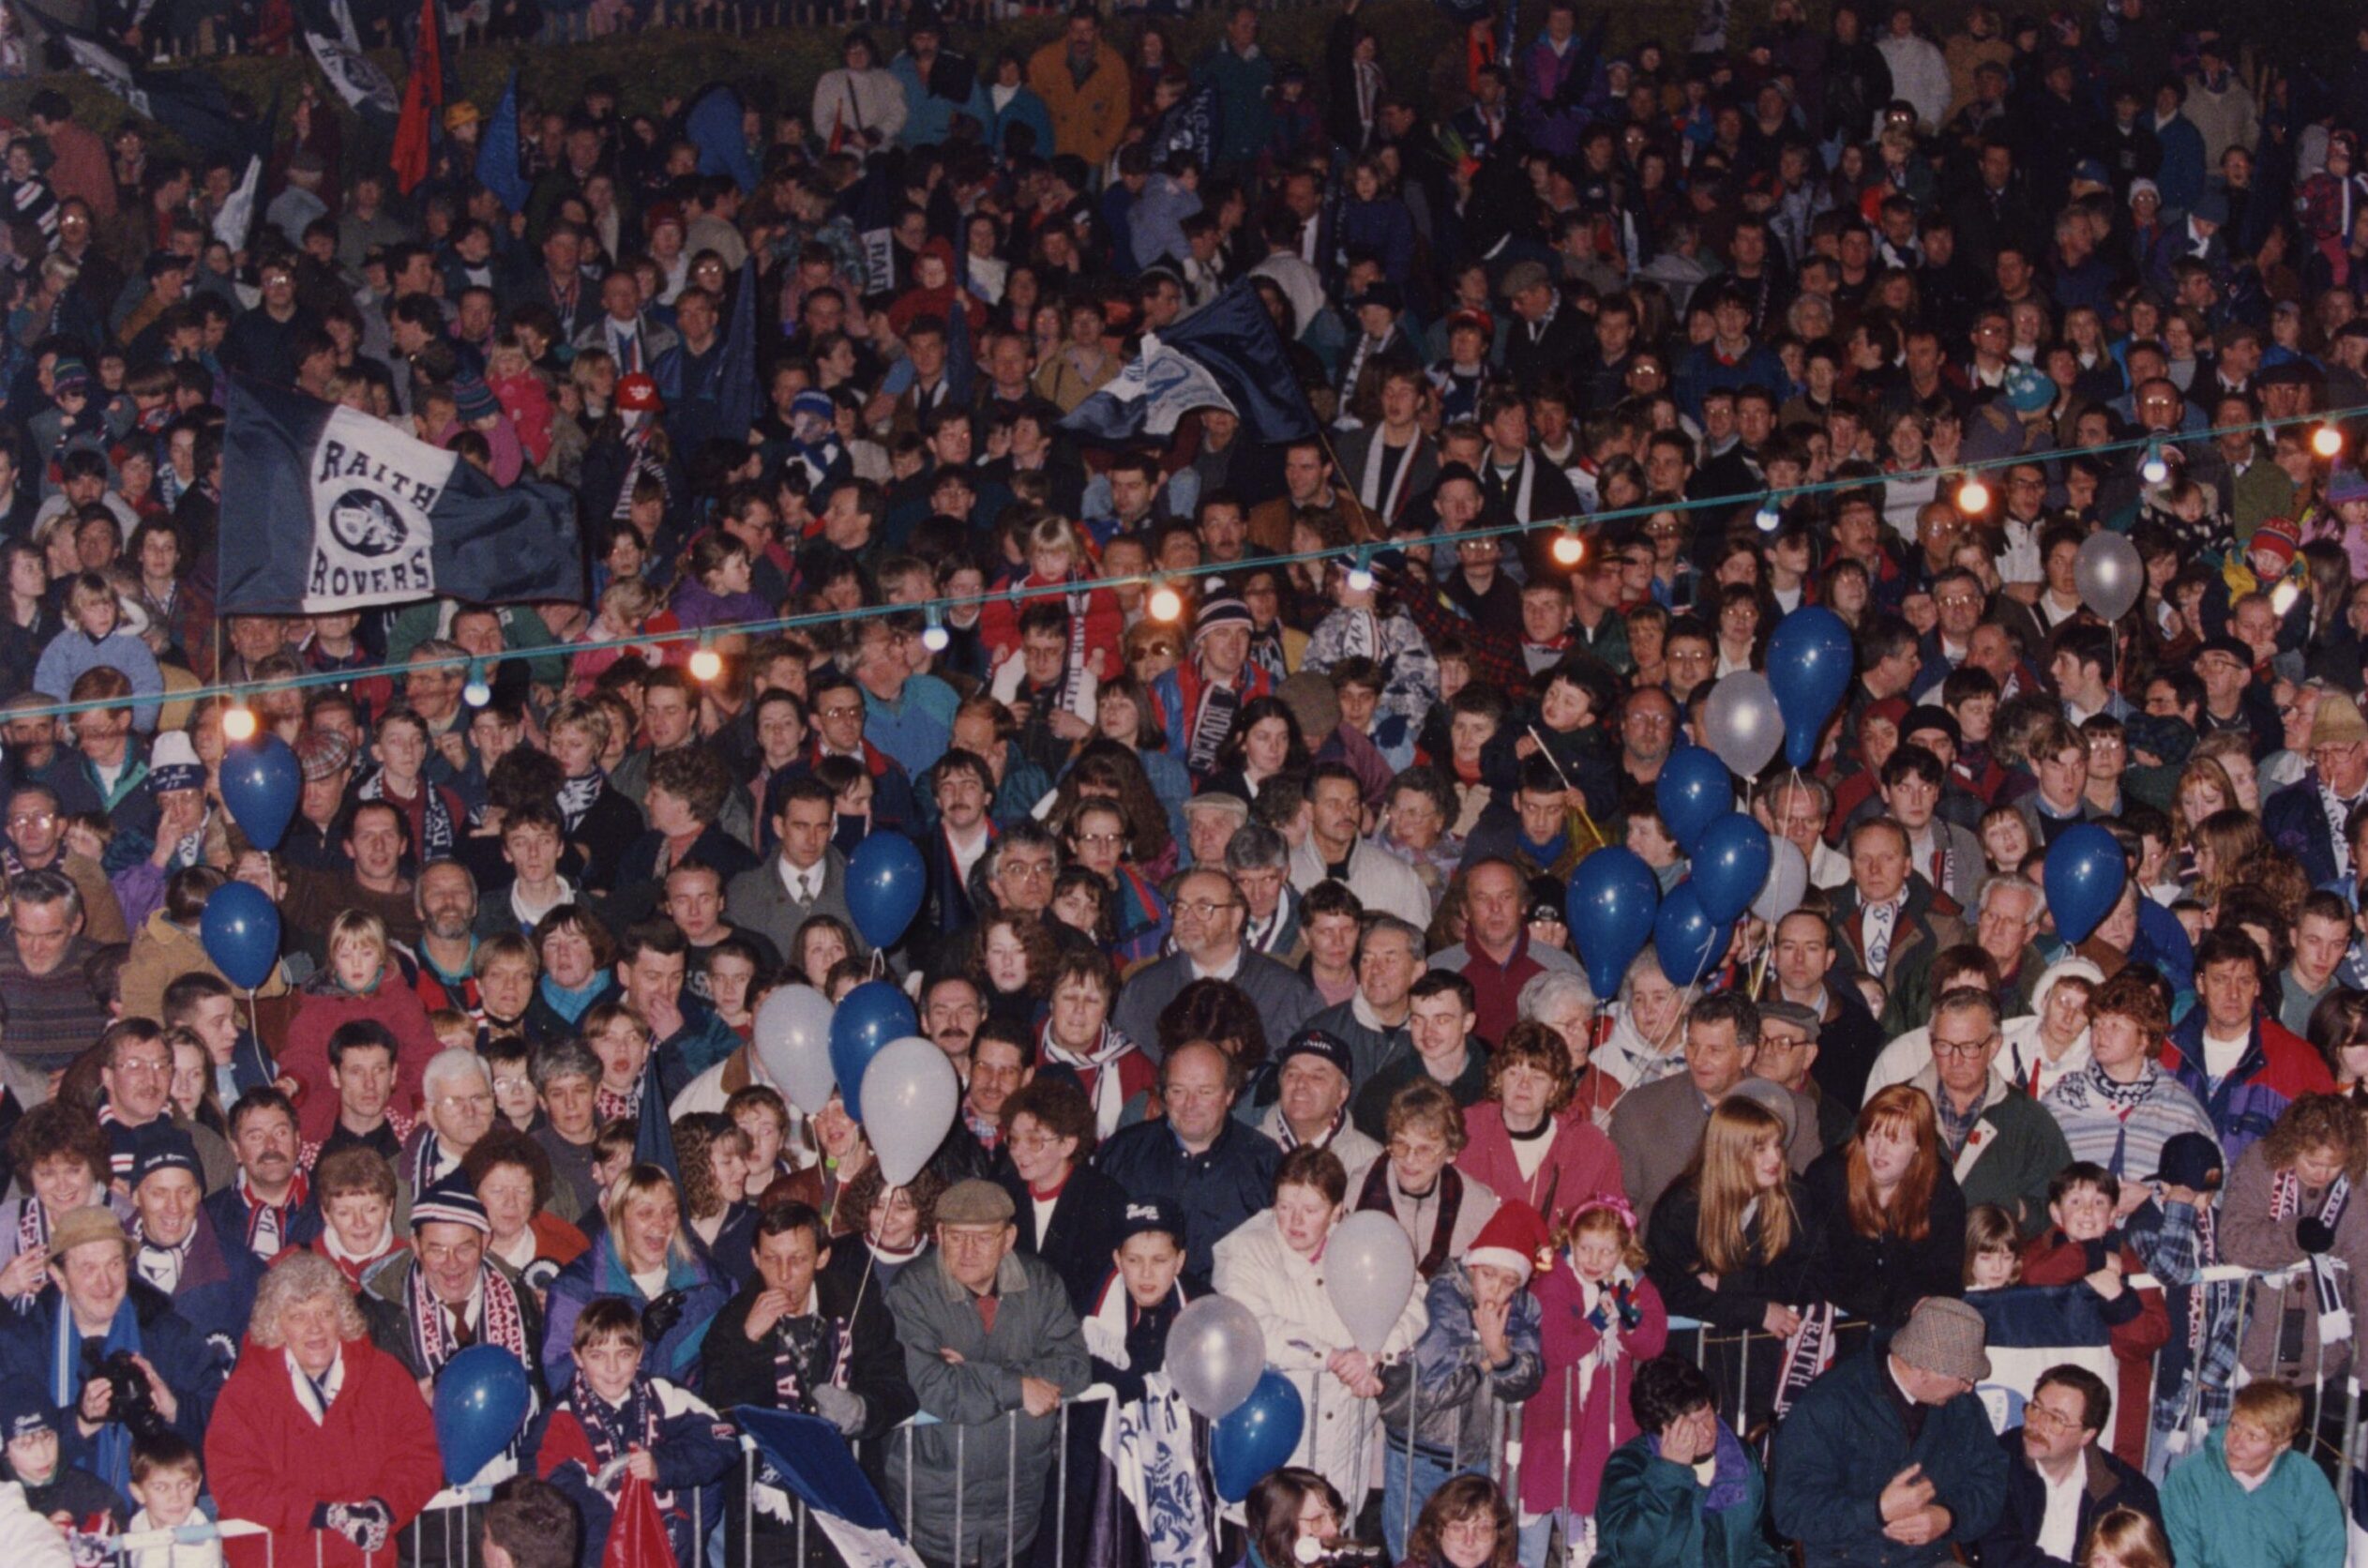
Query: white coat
[1285,1292]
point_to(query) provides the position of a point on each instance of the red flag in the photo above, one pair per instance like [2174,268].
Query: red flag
[423,101]
[637,1534]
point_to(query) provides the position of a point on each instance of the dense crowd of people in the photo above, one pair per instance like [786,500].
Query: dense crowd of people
[1248,799]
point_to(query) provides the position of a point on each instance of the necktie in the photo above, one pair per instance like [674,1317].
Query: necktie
[462,1335]
[321,1393]
[987,1306]
[1879,921]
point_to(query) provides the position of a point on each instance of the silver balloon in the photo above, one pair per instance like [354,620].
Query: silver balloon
[1370,1276]
[1787,882]
[1741,723]
[2109,574]
[793,1035]
[908,1096]
[1214,1354]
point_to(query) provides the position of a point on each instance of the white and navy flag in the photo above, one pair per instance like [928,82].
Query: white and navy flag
[804,1457]
[1148,396]
[326,509]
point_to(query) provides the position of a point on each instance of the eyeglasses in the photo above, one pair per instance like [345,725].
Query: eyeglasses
[1961,1049]
[32,818]
[841,712]
[465,1102]
[2036,1414]
[1201,909]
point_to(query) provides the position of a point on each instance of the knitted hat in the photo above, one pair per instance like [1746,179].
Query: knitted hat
[1510,1241]
[972,1202]
[1547,899]
[2346,484]
[1945,1336]
[80,1227]
[1221,612]
[1932,715]
[474,399]
[2210,207]
[818,404]
[68,376]
[2028,389]
[450,1201]
[2143,187]
[1322,1044]
[2280,538]
[172,763]
[2337,721]
[24,1409]
[165,1147]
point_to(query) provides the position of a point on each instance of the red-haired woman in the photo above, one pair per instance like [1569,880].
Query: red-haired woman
[1890,1212]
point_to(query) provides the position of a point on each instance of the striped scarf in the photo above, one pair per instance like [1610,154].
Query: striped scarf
[500,1323]
[267,1223]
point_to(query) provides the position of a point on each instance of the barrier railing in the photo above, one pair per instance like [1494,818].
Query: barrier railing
[446,1531]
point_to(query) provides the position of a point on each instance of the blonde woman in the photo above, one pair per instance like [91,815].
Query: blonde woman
[645,1255]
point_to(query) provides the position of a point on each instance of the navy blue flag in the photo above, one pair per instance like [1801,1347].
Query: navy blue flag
[712,124]
[803,1456]
[191,104]
[1234,337]
[736,379]
[340,511]
[497,152]
[652,1133]
[1154,390]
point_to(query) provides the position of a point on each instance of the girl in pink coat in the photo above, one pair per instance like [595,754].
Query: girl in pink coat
[1601,1317]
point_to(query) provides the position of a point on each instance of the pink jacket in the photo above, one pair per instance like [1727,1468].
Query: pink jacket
[523,399]
[1581,1165]
[1567,1434]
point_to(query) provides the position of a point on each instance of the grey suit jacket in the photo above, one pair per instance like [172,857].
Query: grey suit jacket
[1284,999]
[761,901]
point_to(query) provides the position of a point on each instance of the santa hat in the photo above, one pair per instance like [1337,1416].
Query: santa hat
[1513,1240]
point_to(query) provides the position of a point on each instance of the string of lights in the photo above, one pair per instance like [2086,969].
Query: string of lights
[1166,603]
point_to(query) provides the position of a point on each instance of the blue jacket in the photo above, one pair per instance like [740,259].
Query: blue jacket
[1843,1444]
[2296,822]
[2107,1483]
[71,652]
[1025,109]
[929,119]
[2180,179]
[1216,1190]
[190,1367]
[703,1040]
[217,1295]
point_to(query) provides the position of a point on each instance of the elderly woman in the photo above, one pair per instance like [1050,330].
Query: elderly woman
[646,1256]
[1565,1003]
[1530,1139]
[318,1436]
[511,1175]
[61,1161]
[2120,1109]
[1890,1213]
[1272,1265]
[1117,1077]
[2289,1201]
[1439,1207]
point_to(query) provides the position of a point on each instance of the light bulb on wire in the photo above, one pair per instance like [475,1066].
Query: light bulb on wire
[2155,468]
[933,633]
[238,721]
[705,663]
[1361,571]
[1770,516]
[1570,546]
[476,691]
[1165,604]
[1973,496]
[2327,441]
[2282,597]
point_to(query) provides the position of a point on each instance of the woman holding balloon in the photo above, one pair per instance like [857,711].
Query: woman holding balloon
[1284,1267]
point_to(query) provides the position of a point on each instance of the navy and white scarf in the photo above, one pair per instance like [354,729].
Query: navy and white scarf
[577,796]
[2286,1201]
[438,834]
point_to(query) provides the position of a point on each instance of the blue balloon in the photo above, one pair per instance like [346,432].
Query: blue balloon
[868,1017]
[1811,661]
[1688,941]
[1693,791]
[1257,1437]
[1610,903]
[2085,875]
[1730,865]
[884,883]
[240,931]
[261,784]
[482,1399]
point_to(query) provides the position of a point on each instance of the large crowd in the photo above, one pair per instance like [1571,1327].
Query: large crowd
[1248,802]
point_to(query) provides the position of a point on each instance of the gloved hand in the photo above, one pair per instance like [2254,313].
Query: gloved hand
[367,1524]
[2313,1234]
[840,1408]
[659,1318]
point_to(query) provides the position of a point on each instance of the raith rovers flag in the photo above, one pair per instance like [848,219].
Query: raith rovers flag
[324,510]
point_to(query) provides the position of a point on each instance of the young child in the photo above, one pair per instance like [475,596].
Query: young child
[759,1111]
[616,1420]
[97,638]
[454,1029]
[1479,1354]
[718,591]
[1993,1250]
[1649,836]
[508,1061]
[1056,557]
[1599,1317]
[612,1151]
[2267,559]
[2082,1246]
[69,1496]
[166,1478]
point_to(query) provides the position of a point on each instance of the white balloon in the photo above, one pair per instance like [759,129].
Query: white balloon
[1787,881]
[793,1035]
[2109,574]
[1370,1276]
[1214,1354]
[909,1096]
[1741,724]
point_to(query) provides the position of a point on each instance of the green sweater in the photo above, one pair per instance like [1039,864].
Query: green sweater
[2291,1520]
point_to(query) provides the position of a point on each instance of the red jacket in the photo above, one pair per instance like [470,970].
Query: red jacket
[1104,624]
[1581,1165]
[305,1054]
[269,1462]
